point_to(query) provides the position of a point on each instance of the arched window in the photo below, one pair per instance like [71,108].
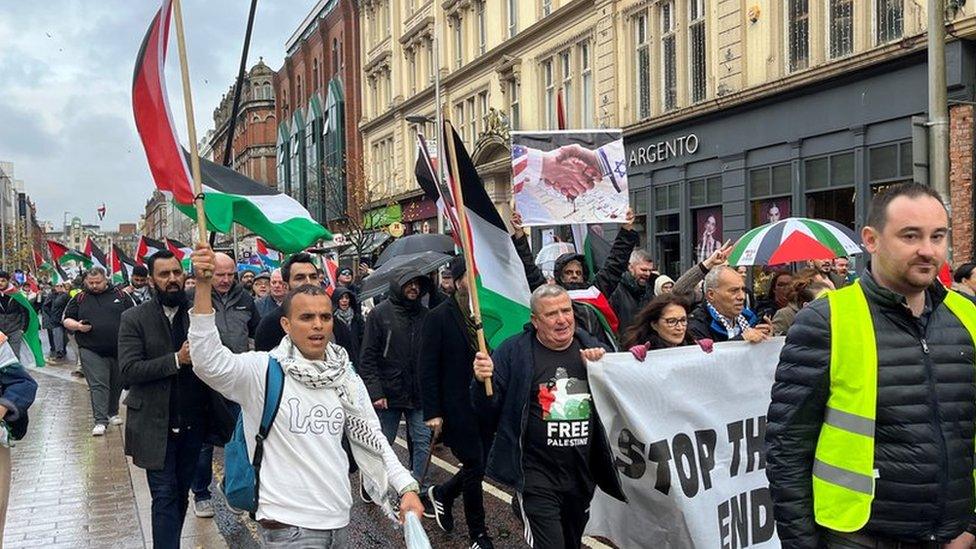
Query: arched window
[268,93]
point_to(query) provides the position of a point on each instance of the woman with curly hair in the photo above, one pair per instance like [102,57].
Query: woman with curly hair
[661,324]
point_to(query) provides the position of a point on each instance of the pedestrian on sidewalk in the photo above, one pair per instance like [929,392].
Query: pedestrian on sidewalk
[549,444]
[14,318]
[389,363]
[94,315]
[17,391]
[237,318]
[52,310]
[870,440]
[304,496]
[447,348]
[169,410]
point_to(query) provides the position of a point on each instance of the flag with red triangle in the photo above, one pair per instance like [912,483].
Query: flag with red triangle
[147,246]
[96,254]
[62,254]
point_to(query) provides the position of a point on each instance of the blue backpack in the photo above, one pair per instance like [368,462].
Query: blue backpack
[241,476]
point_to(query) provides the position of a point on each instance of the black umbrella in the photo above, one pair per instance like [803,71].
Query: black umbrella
[417,243]
[422,263]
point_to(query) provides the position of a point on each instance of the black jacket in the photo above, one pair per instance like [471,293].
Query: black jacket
[269,333]
[629,298]
[13,316]
[391,344]
[923,430]
[701,325]
[356,327]
[446,365]
[53,308]
[104,311]
[159,389]
[505,414]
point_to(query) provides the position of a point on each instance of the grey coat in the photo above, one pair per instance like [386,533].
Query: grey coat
[236,316]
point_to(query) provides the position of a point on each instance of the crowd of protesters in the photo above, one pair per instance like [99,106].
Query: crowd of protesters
[194,351]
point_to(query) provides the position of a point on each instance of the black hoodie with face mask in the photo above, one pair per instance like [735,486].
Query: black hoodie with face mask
[391,342]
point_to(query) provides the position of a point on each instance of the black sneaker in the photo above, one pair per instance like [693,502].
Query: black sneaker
[482,542]
[428,505]
[443,513]
[363,494]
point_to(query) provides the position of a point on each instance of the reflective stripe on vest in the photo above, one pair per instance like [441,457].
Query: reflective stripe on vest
[843,470]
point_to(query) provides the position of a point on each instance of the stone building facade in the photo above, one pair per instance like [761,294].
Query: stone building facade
[253,142]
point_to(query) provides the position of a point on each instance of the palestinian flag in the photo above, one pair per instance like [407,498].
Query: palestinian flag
[121,265]
[229,196]
[331,268]
[62,254]
[38,258]
[179,249]
[500,279]
[146,248]
[270,257]
[98,256]
[594,298]
[32,335]
[54,272]
[590,243]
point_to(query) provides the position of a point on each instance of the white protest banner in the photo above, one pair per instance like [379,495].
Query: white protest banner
[569,176]
[687,431]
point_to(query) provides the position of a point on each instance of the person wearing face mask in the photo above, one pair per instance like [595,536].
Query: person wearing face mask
[169,409]
[388,362]
[94,315]
[661,324]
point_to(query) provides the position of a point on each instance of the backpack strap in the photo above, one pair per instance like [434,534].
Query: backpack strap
[274,381]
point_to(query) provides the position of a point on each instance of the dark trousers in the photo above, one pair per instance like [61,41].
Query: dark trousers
[467,482]
[555,519]
[170,487]
[203,475]
[830,539]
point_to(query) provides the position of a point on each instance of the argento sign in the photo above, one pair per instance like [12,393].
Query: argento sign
[664,150]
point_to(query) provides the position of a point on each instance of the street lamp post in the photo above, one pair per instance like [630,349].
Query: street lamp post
[938,107]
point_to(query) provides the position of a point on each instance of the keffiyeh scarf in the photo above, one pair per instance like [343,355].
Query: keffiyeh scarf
[335,372]
[730,328]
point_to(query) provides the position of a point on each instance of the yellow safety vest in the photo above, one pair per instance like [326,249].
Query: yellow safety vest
[843,468]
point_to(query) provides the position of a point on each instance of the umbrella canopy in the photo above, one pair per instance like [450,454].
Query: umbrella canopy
[422,262]
[794,239]
[546,258]
[416,243]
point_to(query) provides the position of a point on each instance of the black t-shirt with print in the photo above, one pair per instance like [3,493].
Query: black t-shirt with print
[557,435]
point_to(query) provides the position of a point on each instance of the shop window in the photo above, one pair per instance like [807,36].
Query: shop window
[667,227]
[889,20]
[639,200]
[696,40]
[798,40]
[642,91]
[829,171]
[669,61]
[841,13]
[705,192]
[889,165]
[835,205]
[770,188]
[705,199]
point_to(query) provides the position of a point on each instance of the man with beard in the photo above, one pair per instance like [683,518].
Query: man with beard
[247,280]
[237,319]
[635,290]
[870,429]
[447,348]
[94,315]
[169,409]
[13,316]
[138,287]
[388,364]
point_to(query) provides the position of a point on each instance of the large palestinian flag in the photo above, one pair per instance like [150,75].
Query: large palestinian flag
[62,254]
[181,251]
[122,266]
[97,255]
[502,288]
[229,196]
[147,247]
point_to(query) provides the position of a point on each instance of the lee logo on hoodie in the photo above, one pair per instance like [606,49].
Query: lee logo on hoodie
[316,420]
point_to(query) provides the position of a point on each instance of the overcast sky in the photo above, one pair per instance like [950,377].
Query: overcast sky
[65,101]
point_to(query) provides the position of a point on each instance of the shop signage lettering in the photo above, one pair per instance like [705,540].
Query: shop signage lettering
[664,150]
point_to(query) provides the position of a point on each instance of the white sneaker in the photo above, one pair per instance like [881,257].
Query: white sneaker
[115,420]
[98,431]
[203,508]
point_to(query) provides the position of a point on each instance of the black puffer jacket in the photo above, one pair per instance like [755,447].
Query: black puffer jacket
[630,297]
[388,363]
[923,430]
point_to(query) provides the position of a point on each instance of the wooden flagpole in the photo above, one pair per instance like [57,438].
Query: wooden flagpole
[191,129]
[469,274]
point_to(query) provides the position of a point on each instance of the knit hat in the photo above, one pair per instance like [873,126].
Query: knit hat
[660,282]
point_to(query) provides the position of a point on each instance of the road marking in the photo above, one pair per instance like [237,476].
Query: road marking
[495,491]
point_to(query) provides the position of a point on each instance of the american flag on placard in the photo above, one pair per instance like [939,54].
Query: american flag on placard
[520,161]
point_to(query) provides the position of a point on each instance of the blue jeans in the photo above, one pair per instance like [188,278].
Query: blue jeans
[296,537]
[203,475]
[170,487]
[419,436]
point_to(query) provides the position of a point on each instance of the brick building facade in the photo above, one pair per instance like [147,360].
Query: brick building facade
[961,137]
[254,135]
[317,89]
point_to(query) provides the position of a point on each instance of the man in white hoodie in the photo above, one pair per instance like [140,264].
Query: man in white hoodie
[304,496]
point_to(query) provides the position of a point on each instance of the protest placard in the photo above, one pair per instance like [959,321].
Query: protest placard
[561,177]
[687,431]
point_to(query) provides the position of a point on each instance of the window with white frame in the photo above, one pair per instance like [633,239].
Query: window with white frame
[458,42]
[549,87]
[459,119]
[840,15]
[698,82]
[642,90]
[514,111]
[798,35]
[429,46]
[472,123]
[482,28]
[482,110]
[512,18]
[669,57]
[586,86]
[546,7]
[566,70]
[412,69]
[889,20]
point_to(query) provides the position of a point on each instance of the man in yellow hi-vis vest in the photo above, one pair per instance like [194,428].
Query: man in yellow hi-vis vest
[870,431]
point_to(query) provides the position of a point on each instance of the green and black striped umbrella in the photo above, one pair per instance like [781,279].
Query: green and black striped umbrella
[794,239]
